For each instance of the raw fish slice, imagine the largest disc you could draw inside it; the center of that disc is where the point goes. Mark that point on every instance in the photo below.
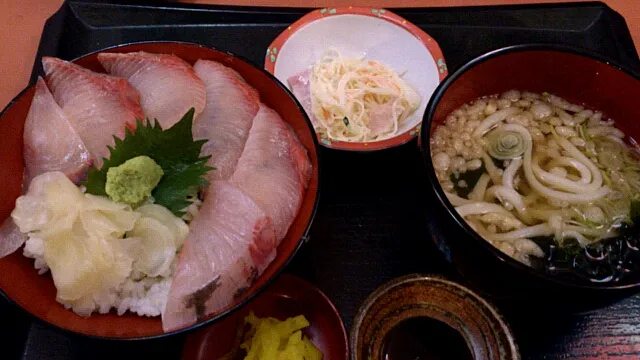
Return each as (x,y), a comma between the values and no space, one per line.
(50,142)
(230,243)
(167,84)
(301,88)
(274,169)
(98,106)
(225,122)
(11,238)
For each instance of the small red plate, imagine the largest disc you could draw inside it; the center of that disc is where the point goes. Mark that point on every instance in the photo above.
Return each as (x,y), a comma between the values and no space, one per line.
(289,296)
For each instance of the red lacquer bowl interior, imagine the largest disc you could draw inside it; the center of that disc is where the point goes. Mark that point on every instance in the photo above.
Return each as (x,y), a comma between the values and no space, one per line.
(289,296)
(569,73)
(20,282)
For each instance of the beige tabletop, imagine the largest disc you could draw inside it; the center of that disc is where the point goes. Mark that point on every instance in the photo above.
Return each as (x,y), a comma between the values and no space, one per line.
(21,23)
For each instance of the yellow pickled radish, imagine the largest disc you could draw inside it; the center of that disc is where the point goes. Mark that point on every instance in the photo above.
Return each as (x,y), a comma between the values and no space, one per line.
(272,339)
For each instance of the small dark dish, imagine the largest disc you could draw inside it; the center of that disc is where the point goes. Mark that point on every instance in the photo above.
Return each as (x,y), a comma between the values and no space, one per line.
(573,74)
(429,317)
(289,296)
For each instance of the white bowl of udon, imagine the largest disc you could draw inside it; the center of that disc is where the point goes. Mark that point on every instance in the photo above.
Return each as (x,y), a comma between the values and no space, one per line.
(364,76)
(531,152)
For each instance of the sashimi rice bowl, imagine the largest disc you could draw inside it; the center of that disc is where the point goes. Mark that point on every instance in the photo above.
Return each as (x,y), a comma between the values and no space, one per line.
(161,185)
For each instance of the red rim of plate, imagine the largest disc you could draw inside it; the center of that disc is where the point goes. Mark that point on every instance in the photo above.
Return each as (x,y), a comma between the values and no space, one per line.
(282,286)
(271,57)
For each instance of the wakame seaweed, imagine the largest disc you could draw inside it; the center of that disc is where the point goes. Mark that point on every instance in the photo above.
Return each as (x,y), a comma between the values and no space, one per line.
(634,210)
(607,261)
(498,163)
(470,178)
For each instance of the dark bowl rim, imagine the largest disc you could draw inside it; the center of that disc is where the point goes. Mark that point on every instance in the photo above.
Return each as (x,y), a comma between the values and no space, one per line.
(332,306)
(426,152)
(283,281)
(303,239)
(427,280)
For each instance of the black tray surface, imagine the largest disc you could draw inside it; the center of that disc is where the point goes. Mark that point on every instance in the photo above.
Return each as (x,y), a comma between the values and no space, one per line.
(362,235)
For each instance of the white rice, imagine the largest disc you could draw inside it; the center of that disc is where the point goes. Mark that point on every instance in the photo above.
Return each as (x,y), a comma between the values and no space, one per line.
(138,294)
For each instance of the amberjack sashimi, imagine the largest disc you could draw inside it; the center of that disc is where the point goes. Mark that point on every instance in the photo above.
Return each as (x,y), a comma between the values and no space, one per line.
(225,122)
(230,243)
(99,106)
(168,85)
(50,142)
(274,169)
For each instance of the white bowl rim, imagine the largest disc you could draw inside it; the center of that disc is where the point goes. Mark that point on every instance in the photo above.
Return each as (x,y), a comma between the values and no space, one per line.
(432,47)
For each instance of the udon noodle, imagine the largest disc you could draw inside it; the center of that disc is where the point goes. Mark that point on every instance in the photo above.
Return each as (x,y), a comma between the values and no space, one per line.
(532,172)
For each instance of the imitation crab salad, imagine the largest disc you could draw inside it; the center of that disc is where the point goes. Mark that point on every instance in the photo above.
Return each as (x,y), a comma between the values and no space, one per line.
(354,99)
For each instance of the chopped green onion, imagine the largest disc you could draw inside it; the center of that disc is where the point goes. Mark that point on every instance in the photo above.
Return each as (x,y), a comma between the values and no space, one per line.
(583,132)
(606,178)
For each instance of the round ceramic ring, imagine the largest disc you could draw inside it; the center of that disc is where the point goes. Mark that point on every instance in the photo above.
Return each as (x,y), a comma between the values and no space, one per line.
(486,334)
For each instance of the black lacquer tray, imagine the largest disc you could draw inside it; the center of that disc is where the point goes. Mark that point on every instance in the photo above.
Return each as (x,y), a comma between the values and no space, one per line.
(371,222)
